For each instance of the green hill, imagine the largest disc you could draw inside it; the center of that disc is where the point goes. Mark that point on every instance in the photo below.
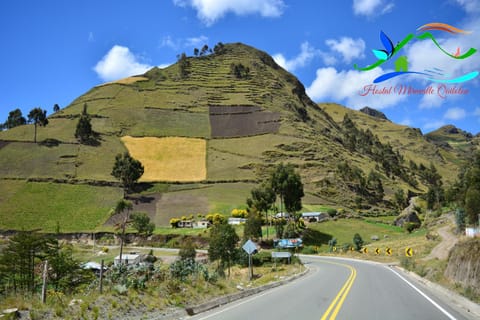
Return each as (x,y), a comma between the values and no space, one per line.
(454,139)
(241,111)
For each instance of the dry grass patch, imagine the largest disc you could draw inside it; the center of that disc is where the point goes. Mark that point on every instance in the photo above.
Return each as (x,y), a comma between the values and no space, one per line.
(169,159)
(128,80)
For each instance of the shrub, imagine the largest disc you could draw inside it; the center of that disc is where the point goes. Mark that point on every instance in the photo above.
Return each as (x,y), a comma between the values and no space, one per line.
(357,241)
(410,226)
(181,269)
(332,243)
(309,250)
(332,212)
(174,222)
(239,213)
(187,251)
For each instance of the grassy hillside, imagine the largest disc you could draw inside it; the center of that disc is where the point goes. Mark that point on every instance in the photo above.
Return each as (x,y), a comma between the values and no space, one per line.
(247,123)
(410,142)
(454,140)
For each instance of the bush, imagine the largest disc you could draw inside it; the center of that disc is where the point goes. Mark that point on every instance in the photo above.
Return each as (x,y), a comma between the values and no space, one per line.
(309,250)
(410,226)
(332,212)
(187,251)
(332,243)
(181,269)
(239,213)
(347,247)
(262,258)
(357,242)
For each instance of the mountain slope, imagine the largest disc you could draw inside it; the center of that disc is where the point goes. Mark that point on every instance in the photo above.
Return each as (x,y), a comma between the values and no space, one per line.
(222,120)
(454,139)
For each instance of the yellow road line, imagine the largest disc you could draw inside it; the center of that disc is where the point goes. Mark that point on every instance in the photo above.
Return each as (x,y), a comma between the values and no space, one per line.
(342,294)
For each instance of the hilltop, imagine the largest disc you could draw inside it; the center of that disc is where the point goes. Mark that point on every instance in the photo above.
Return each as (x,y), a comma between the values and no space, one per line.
(454,139)
(207,129)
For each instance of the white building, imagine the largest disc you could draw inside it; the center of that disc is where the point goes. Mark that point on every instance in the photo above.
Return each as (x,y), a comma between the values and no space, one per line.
(315,216)
(236,221)
(128,258)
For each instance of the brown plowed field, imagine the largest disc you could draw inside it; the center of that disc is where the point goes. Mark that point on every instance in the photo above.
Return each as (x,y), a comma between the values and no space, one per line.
(241,121)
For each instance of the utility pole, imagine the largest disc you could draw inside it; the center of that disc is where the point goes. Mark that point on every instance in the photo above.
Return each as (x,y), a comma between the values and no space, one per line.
(101,277)
(44,284)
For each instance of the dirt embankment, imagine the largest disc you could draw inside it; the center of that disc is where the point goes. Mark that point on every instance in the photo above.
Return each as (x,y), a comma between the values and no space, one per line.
(464,265)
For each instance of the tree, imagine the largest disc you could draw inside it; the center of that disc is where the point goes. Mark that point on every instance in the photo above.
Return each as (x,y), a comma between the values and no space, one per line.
(195,52)
(262,199)
(294,193)
(187,251)
(56,107)
(15,119)
(84,131)
(399,199)
(460,219)
(287,184)
(223,243)
(253,225)
(39,118)
(123,208)
(128,170)
(472,205)
(141,222)
(374,183)
(204,50)
(19,259)
(219,48)
(64,270)
(357,241)
(183,65)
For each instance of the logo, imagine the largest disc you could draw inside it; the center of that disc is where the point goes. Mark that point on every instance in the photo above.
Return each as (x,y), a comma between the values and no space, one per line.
(434,74)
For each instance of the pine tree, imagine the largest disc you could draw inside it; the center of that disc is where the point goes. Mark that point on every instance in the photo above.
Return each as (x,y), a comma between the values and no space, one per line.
(84,132)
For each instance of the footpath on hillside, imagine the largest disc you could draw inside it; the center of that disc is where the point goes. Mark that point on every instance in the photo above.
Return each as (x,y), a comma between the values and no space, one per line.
(442,250)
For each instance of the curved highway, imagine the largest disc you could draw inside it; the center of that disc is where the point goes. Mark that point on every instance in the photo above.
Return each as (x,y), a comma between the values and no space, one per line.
(342,289)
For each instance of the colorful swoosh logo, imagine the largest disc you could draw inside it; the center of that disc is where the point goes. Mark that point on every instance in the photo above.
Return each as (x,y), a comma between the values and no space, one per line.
(401,64)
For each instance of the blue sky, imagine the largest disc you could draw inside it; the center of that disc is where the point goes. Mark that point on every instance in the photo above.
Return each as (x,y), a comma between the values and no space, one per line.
(55,50)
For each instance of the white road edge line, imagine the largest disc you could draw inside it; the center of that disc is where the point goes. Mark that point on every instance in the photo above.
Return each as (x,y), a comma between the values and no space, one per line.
(445,312)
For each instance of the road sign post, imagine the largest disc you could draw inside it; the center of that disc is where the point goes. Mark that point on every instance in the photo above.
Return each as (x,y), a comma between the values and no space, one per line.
(250,247)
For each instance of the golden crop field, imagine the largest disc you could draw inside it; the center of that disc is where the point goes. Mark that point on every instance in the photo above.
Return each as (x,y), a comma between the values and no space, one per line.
(169,158)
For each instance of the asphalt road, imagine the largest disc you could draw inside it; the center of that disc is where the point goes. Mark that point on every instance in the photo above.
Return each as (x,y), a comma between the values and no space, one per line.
(342,289)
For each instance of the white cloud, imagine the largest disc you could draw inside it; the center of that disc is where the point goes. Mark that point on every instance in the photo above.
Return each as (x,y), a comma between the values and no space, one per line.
(167,41)
(119,63)
(196,41)
(470,5)
(371,7)
(455,114)
(178,44)
(431,100)
(349,48)
(433,124)
(209,11)
(348,87)
(406,122)
(91,37)
(477,112)
(307,53)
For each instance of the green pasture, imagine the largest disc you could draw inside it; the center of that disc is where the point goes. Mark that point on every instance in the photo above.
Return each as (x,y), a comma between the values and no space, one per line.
(76,208)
